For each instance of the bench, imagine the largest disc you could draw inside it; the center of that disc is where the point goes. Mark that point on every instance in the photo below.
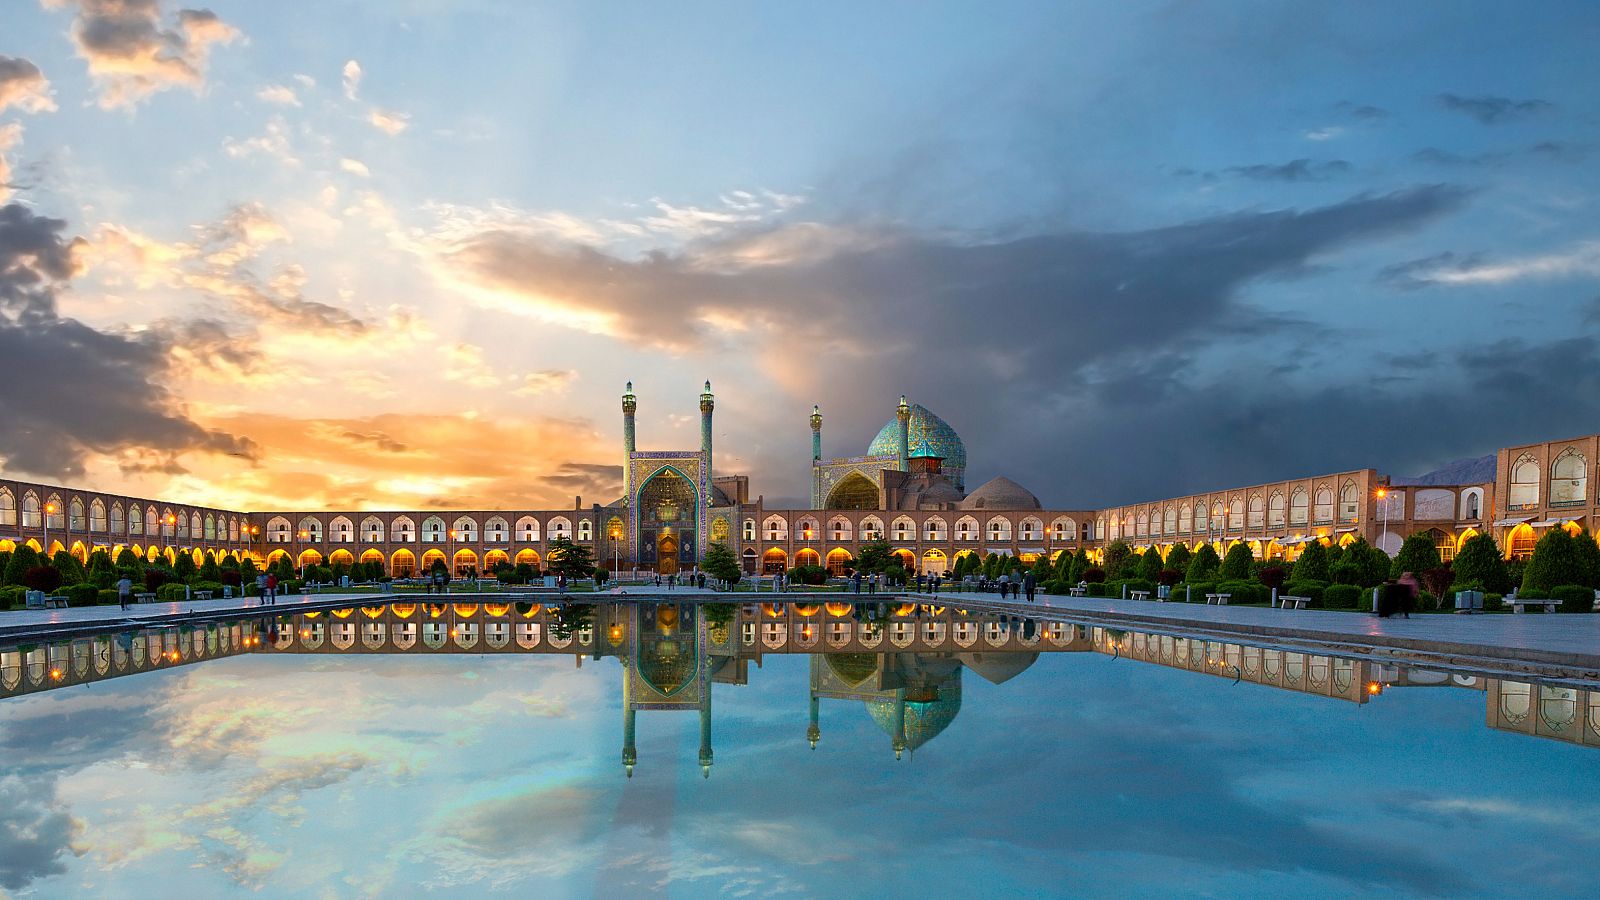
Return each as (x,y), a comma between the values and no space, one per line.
(1077,591)
(1140,595)
(144,598)
(1520,604)
(1289,601)
(202,595)
(1218,599)
(41,600)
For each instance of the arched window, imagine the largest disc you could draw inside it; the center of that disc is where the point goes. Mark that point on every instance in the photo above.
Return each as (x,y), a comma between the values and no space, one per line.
(934,529)
(1201,522)
(496,529)
(402,529)
(8,507)
(1569,479)
(1218,519)
(310,529)
(839,528)
(1258,512)
(278,530)
(79,521)
(1524,493)
(1169,521)
(433,531)
(1275,510)
(1063,529)
(210,527)
(750,529)
(1141,524)
(585,530)
(1472,505)
(97,515)
(1031,529)
(904,529)
(777,528)
(30,510)
(135,520)
(1235,514)
(560,527)
(527,529)
(372,530)
(1349,502)
(999,529)
(1299,507)
(719,530)
(119,522)
(1445,542)
(1323,512)
(195,528)
(966,529)
(466,528)
(1185,519)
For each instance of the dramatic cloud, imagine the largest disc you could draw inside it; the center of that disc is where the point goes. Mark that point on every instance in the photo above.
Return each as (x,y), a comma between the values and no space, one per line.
(23,86)
(1579,261)
(278,95)
(36,832)
(388,121)
(89,391)
(352,79)
(10,138)
(132,54)
(1492,110)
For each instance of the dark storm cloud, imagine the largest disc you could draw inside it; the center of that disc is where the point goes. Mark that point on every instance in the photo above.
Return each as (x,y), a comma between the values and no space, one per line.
(1294,170)
(1420,273)
(1492,110)
(86,390)
(23,85)
(597,481)
(36,831)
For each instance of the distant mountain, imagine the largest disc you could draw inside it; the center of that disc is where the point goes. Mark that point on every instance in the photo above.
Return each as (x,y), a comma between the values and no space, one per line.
(1463,471)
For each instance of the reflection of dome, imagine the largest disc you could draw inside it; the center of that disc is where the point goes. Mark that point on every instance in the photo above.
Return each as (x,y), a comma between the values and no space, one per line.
(998,668)
(853,668)
(667,666)
(933,697)
(929,437)
(1001,492)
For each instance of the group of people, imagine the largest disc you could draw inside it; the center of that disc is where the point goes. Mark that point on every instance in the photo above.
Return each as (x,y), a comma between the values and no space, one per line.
(857,579)
(1016,585)
(695,579)
(267,588)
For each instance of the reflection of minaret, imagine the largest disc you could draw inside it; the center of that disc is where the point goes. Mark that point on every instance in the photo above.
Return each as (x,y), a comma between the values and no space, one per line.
(630,753)
(814,730)
(705,732)
(899,734)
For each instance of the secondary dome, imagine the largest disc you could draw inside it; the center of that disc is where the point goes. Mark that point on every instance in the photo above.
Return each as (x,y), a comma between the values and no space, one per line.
(929,437)
(1001,492)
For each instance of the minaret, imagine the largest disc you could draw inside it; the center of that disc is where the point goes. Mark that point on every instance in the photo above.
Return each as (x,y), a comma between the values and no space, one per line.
(707,404)
(899,741)
(814,730)
(816,457)
(705,731)
(630,403)
(903,450)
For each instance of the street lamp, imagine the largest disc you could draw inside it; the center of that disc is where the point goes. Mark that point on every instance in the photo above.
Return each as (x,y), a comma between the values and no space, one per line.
(451,568)
(49,510)
(1384,513)
(616,550)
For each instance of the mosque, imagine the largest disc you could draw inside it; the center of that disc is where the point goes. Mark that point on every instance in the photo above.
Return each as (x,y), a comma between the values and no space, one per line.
(908,488)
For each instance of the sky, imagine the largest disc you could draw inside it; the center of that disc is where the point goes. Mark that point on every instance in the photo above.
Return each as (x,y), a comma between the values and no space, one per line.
(405,254)
(500,775)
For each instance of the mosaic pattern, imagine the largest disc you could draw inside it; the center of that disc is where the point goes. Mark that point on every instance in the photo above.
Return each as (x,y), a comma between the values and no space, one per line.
(930,436)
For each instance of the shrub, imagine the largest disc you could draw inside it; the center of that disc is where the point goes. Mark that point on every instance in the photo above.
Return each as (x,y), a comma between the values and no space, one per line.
(1114,588)
(1095,589)
(808,575)
(1094,575)
(85,594)
(1427,601)
(232,578)
(1312,589)
(1169,577)
(12,595)
(1244,592)
(107,595)
(215,587)
(1417,555)
(1341,596)
(154,579)
(1149,567)
(170,592)
(1345,572)
(1556,561)
(1313,563)
(1272,576)
(1574,598)
(1203,565)
(42,578)
(1054,586)
(1199,589)
(1493,602)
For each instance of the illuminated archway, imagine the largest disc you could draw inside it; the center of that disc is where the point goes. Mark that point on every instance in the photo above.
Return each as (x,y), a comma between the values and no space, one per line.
(341,557)
(402,564)
(839,559)
(774,561)
(465,563)
(528,557)
(934,562)
(1519,544)
(430,557)
(906,557)
(495,558)
(308,558)
(807,557)
(854,491)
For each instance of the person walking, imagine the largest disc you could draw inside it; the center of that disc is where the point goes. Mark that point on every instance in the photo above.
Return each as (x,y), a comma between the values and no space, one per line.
(855,583)
(272,589)
(124,590)
(1028,584)
(261,587)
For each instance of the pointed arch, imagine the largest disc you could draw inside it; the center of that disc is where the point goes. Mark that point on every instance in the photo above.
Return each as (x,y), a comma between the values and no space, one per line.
(402,564)
(372,530)
(1524,484)
(1569,478)
(854,491)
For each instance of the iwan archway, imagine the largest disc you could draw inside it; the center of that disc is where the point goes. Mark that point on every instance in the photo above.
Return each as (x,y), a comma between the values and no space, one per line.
(668,505)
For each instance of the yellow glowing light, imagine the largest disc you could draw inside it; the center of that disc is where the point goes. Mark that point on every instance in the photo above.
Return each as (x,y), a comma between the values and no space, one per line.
(1374,687)
(56,674)
(305,632)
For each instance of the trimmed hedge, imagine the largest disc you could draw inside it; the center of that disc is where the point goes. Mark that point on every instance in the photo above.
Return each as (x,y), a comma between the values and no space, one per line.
(1341,596)
(1574,598)
(1245,592)
(81,594)
(1308,588)
(107,595)
(13,595)
(1095,589)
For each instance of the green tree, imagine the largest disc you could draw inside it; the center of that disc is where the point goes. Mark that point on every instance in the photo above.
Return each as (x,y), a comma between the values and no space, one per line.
(721,564)
(1203,566)
(1313,564)
(101,572)
(569,559)
(1178,558)
(209,571)
(1371,564)
(183,567)
(22,559)
(1080,564)
(1236,564)
(1117,553)
(876,556)
(1150,565)
(248,570)
(72,571)
(1556,561)
(1417,555)
(1478,561)
(127,558)
(1588,559)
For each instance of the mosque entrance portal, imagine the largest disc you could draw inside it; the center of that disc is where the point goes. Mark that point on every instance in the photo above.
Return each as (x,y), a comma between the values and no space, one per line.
(667,554)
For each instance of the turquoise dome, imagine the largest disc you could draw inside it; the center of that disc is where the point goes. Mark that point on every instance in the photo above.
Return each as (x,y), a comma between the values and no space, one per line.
(930,436)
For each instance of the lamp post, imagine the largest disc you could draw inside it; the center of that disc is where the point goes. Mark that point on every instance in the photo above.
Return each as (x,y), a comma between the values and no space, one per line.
(1384,514)
(451,567)
(49,510)
(172,527)
(304,536)
(616,550)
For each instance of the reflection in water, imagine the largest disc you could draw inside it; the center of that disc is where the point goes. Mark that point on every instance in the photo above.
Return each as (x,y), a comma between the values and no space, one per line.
(903,661)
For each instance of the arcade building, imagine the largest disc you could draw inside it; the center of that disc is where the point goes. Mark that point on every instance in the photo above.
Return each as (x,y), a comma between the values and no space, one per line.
(908,488)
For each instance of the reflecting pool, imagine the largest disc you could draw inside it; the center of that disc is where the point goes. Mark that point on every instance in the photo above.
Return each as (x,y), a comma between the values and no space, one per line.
(817,749)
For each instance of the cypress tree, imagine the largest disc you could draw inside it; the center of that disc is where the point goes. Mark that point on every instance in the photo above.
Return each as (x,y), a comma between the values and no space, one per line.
(1150,565)
(1417,555)
(1236,564)
(1556,562)
(1478,561)
(1313,564)
(1204,565)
